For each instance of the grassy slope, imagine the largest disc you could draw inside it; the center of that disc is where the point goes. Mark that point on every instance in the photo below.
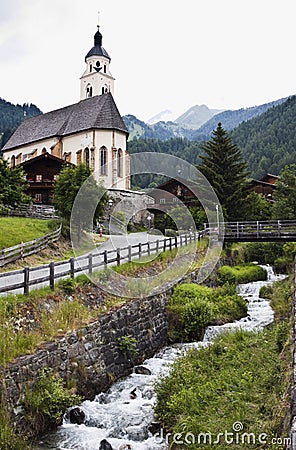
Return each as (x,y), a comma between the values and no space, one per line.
(14,230)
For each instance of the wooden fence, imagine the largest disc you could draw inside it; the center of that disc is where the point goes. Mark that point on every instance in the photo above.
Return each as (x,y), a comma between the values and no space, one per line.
(46,275)
(255,231)
(24,249)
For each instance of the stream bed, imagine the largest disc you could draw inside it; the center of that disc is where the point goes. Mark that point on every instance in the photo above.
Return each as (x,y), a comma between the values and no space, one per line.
(123,417)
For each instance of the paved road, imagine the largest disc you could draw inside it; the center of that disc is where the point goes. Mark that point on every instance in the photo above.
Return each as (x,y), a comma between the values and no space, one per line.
(81,264)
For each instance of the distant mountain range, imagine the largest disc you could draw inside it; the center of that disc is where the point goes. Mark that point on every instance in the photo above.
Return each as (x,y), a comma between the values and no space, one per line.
(195,124)
(267,140)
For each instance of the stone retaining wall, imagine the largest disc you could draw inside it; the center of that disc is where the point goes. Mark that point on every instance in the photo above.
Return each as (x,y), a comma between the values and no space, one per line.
(91,356)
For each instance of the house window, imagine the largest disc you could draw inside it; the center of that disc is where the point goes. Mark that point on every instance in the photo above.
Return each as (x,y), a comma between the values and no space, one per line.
(55,177)
(38,177)
(162,200)
(119,163)
(103,161)
(38,198)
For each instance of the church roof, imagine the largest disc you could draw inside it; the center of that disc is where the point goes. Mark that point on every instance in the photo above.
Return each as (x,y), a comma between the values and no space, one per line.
(99,112)
(97,50)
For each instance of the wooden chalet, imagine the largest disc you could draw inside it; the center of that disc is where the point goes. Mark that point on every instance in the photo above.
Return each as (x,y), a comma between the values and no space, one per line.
(265,186)
(41,174)
(170,193)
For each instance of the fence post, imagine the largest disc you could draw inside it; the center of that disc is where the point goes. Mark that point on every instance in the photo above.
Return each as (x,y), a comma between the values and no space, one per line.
(72,262)
(157,246)
(170,241)
(118,256)
(181,241)
(186,239)
(164,244)
(257,229)
(176,242)
(26,280)
(148,248)
(140,250)
(22,249)
(90,263)
(105,258)
(3,250)
(129,253)
(51,275)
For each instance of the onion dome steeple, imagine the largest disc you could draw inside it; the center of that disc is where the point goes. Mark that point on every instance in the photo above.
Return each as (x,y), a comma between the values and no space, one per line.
(97,49)
(98,37)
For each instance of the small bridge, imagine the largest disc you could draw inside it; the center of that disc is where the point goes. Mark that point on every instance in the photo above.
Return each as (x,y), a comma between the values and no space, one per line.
(258,231)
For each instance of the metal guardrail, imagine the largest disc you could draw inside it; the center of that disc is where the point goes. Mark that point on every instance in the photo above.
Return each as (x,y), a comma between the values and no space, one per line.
(24,249)
(252,231)
(25,278)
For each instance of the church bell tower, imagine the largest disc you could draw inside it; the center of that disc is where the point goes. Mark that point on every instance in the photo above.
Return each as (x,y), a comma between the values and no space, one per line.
(97,78)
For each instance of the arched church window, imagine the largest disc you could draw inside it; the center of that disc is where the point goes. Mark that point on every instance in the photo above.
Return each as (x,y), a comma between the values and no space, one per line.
(89,91)
(103,161)
(119,163)
(90,67)
(86,156)
(105,68)
(12,162)
(43,151)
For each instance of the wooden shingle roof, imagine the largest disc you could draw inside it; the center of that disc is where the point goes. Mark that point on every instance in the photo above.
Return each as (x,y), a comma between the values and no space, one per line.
(99,112)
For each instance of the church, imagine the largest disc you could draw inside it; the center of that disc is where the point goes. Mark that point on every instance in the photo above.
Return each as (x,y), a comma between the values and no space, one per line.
(91,131)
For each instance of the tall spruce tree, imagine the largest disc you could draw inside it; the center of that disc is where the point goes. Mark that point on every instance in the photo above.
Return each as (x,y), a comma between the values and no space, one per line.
(225,169)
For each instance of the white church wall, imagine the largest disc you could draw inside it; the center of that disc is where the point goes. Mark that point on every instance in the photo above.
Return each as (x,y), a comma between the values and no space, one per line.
(30,150)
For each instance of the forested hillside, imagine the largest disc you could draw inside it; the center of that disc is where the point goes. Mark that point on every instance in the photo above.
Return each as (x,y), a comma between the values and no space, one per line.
(12,115)
(232,118)
(268,142)
(182,148)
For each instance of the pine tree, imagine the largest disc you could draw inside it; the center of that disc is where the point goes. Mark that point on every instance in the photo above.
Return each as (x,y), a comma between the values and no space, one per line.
(226,171)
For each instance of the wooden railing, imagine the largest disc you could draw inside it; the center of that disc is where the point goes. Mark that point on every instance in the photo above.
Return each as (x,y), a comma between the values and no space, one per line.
(47,274)
(11,254)
(264,231)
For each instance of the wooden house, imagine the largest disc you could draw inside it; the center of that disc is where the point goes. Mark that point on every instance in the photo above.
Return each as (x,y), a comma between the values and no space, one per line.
(41,174)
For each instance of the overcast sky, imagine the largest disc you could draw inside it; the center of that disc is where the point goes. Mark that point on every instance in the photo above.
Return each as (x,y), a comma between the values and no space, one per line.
(165,54)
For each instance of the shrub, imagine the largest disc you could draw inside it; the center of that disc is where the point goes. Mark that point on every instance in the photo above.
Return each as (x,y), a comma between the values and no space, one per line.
(47,400)
(128,345)
(266,292)
(196,316)
(245,273)
(193,307)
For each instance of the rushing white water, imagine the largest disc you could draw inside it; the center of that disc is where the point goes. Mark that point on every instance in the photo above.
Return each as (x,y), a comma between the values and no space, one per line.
(123,416)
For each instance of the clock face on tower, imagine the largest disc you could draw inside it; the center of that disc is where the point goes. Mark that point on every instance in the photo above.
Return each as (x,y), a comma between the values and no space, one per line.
(98,66)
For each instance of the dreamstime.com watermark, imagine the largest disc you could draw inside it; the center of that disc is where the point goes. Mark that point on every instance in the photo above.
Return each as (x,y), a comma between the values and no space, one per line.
(237,436)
